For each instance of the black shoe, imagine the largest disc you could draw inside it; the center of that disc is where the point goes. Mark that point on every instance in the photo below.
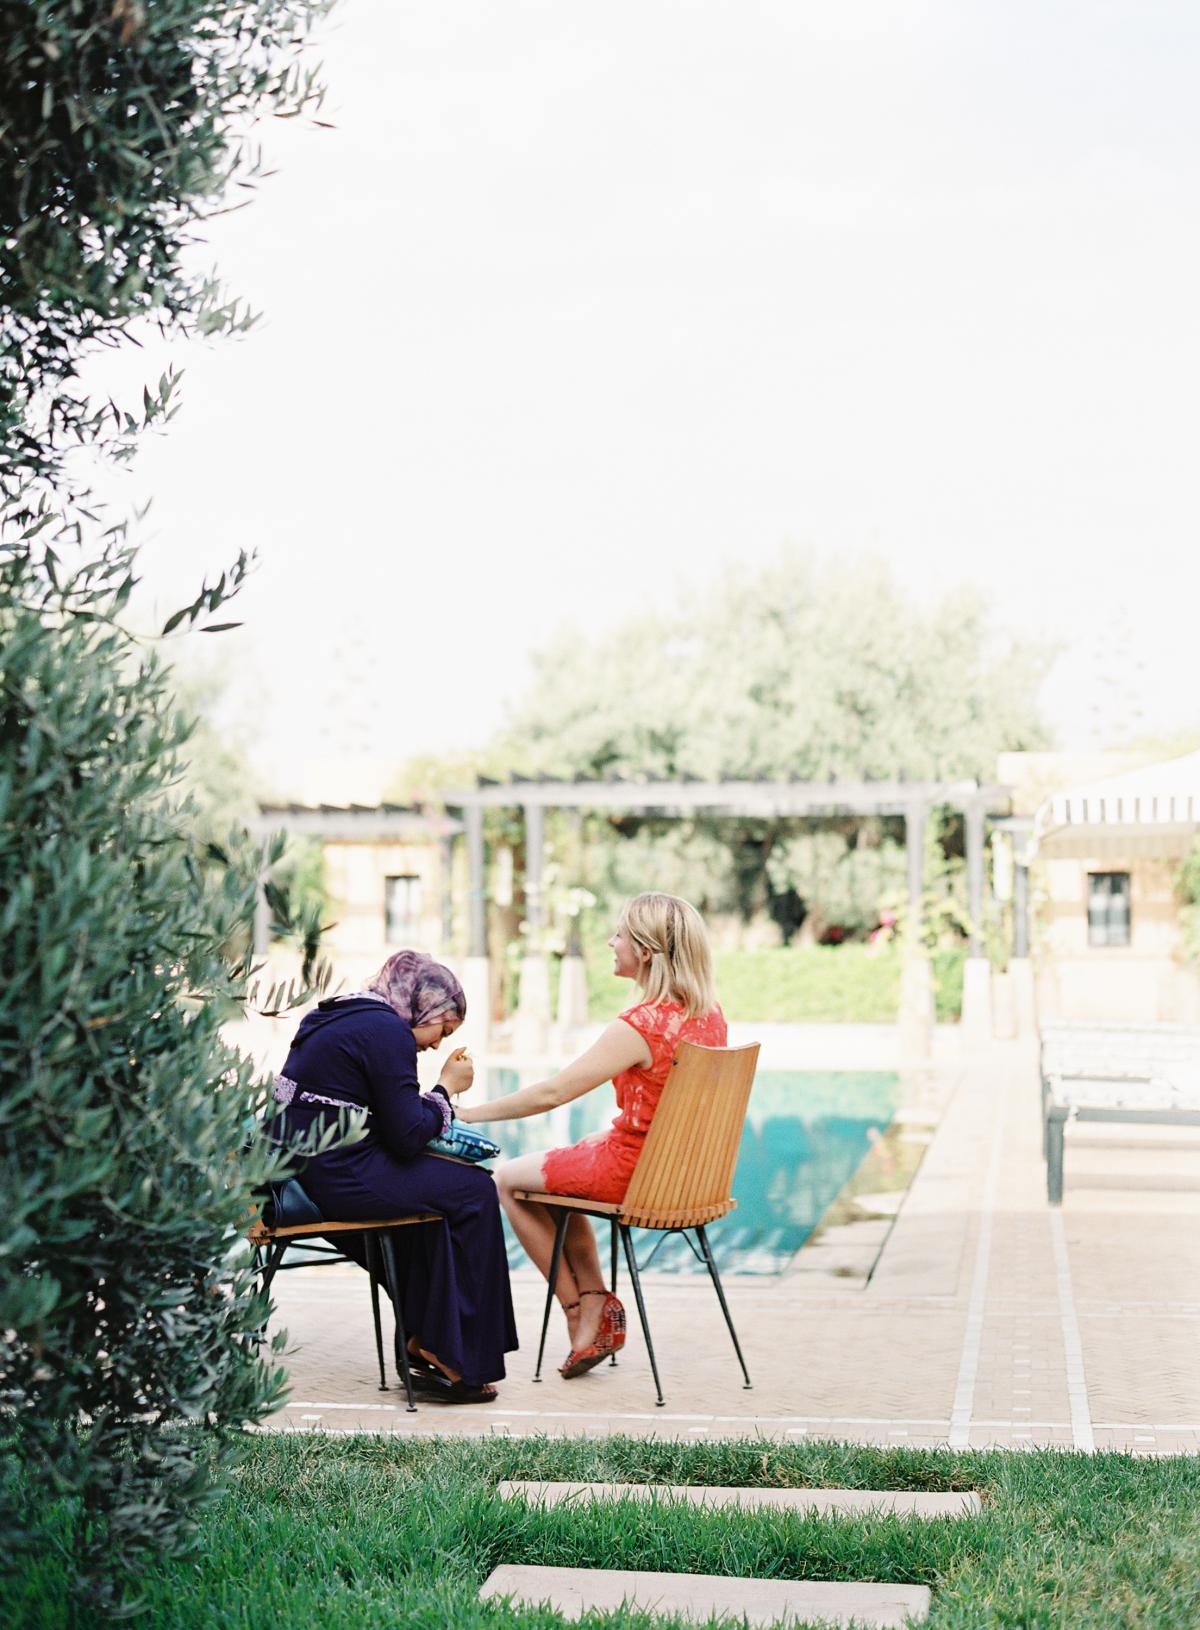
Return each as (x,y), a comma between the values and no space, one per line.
(437,1387)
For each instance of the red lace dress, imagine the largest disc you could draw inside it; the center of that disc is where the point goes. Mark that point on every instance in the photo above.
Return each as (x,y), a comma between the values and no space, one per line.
(599,1168)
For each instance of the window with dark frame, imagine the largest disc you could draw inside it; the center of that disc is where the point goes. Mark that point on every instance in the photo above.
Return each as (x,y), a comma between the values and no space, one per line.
(401,908)
(1108,908)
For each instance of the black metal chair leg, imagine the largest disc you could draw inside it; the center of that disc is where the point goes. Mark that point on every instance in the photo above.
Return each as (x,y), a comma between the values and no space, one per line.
(375,1274)
(560,1234)
(710,1263)
(274,1258)
(1055,1128)
(613,1228)
(631,1263)
(265,1265)
(391,1268)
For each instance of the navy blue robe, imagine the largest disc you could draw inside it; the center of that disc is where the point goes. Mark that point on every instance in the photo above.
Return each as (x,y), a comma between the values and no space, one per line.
(454,1277)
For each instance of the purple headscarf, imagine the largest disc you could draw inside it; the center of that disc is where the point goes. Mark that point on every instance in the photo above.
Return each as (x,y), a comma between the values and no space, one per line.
(418,988)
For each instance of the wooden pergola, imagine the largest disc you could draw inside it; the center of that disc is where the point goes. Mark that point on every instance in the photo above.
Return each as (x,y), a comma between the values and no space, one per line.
(910,800)
(463,815)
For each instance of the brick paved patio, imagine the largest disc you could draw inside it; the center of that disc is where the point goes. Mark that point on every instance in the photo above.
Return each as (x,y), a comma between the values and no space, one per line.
(989,1319)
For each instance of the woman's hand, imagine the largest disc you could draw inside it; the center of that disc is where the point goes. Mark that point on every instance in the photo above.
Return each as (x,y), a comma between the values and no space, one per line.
(457,1073)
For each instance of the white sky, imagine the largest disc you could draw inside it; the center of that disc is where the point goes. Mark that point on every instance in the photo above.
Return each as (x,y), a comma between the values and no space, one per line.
(578,304)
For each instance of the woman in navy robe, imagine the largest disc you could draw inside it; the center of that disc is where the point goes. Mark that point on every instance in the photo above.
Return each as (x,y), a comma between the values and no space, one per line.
(360,1052)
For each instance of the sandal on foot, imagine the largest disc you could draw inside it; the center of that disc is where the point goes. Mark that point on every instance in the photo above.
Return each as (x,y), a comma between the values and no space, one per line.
(609,1337)
(579,1363)
(453,1392)
(612,1320)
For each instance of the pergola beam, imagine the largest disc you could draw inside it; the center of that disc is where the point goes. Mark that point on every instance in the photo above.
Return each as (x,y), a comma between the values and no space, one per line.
(765,799)
(356,823)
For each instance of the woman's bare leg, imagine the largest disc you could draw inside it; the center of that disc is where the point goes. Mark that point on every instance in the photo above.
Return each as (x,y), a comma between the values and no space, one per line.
(534,1225)
(581,1252)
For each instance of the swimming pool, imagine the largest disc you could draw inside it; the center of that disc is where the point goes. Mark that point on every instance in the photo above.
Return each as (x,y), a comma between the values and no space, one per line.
(805,1135)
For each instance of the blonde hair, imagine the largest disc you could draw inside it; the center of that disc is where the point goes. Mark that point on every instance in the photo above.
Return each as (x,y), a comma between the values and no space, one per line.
(680,964)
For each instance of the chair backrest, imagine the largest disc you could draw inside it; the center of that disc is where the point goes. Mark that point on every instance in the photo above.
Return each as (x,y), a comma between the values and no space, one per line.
(691,1149)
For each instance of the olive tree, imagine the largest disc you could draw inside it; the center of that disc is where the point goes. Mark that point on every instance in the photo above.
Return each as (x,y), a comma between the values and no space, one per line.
(123,125)
(129,1320)
(128,1310)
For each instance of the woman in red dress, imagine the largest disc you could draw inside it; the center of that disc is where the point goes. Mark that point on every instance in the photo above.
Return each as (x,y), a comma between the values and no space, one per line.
(660,942)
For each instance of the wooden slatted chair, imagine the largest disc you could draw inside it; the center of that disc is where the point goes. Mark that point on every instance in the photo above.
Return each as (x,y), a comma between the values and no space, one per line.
(271,1244)
(683,1179)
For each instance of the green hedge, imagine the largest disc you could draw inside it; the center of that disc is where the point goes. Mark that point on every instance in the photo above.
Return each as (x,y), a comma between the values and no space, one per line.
(799,984)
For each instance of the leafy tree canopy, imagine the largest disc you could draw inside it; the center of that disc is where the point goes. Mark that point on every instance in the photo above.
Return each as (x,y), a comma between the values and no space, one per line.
(800,671)
(122,124)
(803,670)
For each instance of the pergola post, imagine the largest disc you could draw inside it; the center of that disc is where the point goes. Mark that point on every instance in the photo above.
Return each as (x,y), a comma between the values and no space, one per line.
(261,928)
(535,858)
(533,1007)
(572,1012)
(477,945)
(974,816)
(262,914)
(1020,965)
(915,818)
(446,858)
(977,972)
(916,979)
(1020,945)
(477,980)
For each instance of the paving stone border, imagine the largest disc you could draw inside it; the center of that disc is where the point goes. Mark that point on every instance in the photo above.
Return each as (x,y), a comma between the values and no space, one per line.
(804,1501)
(700,1596)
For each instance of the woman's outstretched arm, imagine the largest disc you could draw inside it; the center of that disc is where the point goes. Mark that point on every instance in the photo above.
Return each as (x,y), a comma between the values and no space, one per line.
(618,1048)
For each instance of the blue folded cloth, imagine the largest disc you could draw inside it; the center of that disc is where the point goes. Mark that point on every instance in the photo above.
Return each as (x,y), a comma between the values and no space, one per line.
(462,1141)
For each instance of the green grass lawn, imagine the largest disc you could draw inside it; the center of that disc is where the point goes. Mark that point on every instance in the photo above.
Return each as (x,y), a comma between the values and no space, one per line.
(798,984)
(371,1533)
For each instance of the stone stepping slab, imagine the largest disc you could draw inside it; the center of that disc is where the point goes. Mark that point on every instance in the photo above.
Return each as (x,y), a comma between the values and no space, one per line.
(806,1502)
(701,1596)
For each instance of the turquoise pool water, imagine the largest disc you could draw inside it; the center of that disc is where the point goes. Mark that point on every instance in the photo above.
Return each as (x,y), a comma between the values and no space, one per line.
(805,1135)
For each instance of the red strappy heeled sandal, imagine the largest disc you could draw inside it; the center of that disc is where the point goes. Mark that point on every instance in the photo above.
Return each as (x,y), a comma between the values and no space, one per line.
(612,1320)
(610,1338)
